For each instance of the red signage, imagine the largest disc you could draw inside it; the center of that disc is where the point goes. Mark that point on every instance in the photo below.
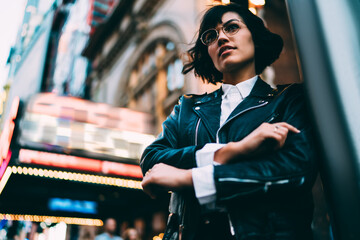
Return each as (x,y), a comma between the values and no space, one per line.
(79,163)
(6,136)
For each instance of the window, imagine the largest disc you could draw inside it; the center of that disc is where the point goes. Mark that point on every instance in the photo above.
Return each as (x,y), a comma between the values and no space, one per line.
(156,80)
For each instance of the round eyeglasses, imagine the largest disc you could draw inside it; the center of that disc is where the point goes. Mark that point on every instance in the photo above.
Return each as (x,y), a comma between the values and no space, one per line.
(211,35)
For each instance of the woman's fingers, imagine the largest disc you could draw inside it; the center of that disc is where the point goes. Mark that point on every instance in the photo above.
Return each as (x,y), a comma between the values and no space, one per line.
(146,185)
(276,131)
(267,137)
(163,177)
(287,126)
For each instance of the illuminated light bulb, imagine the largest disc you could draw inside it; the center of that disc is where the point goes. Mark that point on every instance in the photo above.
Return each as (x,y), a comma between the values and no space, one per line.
(92,178)
(14,169)
(131,184)
(73,176)
(225,1)
(36,172)
(81,177)
(117,182)
(258,2)
(31,171)
(112,182)
(98,180)
(69,176)
(48,221)
(41,172)
(20,171)
(253,10)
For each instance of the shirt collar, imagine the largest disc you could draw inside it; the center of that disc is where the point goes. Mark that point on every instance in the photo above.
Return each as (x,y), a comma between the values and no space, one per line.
(244,87)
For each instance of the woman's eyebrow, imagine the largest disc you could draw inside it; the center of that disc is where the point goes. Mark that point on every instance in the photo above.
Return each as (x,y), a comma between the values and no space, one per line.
(231,20)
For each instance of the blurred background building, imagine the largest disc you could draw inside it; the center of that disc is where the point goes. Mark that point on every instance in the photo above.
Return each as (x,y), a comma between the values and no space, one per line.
(89,85)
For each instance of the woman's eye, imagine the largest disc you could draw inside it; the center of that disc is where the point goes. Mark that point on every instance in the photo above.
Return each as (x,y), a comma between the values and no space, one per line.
(210,36)
(232,28)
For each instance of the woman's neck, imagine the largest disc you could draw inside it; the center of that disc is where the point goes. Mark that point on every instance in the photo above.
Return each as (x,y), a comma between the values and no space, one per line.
(235,77)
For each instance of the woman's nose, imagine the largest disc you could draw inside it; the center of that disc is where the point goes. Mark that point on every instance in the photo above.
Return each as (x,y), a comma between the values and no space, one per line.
(222,38)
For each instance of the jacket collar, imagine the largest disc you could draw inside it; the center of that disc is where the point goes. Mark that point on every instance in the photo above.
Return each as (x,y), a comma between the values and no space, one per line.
(259,95)
(208,106)
(262,90)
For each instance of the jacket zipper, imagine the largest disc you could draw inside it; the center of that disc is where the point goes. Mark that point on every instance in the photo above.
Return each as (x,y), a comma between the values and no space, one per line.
(272,118)
(266,184)
(245,110)
(196,131)
(182,225)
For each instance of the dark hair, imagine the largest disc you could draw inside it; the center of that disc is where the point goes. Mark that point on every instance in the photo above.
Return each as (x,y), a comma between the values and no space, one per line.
(268,45)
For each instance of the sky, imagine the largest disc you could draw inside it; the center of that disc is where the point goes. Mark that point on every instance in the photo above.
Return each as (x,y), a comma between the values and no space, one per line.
(11,14)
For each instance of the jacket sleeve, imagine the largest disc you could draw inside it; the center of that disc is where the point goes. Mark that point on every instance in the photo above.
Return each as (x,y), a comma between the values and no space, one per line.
(292,166)
(165,149)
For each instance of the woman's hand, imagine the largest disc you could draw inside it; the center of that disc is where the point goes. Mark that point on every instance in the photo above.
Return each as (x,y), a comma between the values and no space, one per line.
(264,138)
(163,177)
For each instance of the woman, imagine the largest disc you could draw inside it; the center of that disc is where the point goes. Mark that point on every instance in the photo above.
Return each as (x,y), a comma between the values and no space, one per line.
(241,152)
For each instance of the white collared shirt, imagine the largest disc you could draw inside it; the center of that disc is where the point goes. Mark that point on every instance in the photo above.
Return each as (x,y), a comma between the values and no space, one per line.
(203,175)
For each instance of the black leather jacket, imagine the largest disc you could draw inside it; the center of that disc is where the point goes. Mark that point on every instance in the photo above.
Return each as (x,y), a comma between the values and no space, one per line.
(267,196)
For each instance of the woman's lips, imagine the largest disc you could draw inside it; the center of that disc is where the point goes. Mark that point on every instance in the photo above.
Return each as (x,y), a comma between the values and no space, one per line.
(225,49)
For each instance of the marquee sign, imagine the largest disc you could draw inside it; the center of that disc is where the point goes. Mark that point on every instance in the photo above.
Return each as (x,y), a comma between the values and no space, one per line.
(82,128)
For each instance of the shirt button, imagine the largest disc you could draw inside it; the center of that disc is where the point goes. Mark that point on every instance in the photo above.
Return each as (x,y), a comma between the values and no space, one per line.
(197,108)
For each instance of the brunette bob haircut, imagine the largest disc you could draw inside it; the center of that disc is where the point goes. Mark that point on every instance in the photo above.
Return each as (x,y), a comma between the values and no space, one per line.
(268,45)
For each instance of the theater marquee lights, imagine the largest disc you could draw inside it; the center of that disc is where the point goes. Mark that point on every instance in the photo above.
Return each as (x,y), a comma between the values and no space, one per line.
(76,177)
(52,219)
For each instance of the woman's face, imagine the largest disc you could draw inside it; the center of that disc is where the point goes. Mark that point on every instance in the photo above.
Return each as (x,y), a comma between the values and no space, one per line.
(232,52)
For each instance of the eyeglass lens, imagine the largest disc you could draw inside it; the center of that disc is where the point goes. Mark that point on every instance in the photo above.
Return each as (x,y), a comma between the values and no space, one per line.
(211,35)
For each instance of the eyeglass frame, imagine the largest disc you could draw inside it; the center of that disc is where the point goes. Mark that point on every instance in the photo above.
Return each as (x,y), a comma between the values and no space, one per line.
(217,31)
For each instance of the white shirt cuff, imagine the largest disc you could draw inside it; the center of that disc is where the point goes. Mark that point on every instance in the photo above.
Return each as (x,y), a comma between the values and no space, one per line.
(204,184)
(205,156)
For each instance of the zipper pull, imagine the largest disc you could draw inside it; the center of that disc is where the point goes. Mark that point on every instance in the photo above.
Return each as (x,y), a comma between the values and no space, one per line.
(266,187)
(181,229)
(273,118)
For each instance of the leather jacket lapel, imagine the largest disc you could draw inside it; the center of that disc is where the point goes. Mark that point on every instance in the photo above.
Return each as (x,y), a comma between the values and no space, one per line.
(209,109)
(259,96)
